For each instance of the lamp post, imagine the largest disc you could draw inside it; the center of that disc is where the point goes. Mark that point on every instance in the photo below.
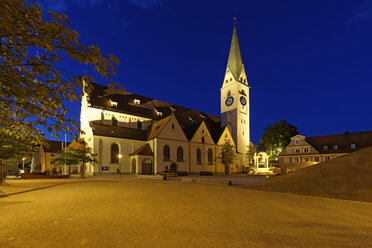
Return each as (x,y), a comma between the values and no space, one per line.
(120,156)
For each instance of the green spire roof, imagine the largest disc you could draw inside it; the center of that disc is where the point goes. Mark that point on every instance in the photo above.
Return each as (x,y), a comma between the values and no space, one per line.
(235,58)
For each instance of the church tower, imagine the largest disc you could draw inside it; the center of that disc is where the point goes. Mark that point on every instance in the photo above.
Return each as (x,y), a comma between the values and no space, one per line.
(235,97)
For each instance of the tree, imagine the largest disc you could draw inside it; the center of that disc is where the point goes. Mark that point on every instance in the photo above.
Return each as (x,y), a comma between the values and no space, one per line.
(276,138)
(250,154)
(80,155)
(228,156)
(33,86)
(12,148)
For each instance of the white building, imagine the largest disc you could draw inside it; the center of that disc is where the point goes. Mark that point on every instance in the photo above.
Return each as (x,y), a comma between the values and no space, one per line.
(140,135)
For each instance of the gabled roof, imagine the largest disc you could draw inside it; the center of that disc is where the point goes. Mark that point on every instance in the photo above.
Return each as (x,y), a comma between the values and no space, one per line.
(157,127)
(117,131)
(190,131)
(101,97)
(143,150)
(53,146)
(343,141)
(234,62)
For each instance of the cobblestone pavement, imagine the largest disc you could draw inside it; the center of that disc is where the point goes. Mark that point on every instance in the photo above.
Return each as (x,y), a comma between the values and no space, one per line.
(131,212)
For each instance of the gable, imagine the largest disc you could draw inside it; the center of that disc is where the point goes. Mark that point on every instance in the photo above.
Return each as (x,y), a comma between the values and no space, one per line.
(172,130)
(202,132)
(298,140)
(157,127)
(229,78)
(226,136)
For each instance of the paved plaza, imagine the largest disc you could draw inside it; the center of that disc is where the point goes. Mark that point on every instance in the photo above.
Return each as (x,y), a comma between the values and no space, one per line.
(131,212)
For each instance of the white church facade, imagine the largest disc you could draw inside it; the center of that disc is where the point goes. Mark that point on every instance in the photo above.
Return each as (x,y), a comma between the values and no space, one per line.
(135,134)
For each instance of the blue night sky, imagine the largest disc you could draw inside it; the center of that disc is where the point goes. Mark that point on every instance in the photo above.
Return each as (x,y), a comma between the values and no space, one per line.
(308,62)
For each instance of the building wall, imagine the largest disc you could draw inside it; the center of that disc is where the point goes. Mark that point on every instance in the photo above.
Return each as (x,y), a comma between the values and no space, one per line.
(300,154)
(173,145)
(102,146)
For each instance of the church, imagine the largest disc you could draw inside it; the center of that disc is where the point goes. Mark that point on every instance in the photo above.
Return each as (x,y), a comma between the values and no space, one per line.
(134,134)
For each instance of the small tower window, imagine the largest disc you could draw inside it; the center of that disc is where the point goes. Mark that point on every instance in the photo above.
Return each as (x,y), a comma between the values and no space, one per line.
(203,140)
(229,93)
(172,126)
(230,79)
(136,101)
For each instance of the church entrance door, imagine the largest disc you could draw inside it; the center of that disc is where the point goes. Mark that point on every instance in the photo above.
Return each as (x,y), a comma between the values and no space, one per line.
(147,167)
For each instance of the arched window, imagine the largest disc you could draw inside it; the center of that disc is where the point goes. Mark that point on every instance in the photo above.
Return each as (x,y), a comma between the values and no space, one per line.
(210,156)
(202,139)
(198,156)
(114,121)
(114,153)
(229,93)
(179,154)
(166,153)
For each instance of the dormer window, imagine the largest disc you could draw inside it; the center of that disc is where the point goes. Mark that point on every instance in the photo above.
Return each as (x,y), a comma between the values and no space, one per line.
(136,101)
(353,146)
(159,114)
(325,148)
(297,142)
(113,104)
(335,147)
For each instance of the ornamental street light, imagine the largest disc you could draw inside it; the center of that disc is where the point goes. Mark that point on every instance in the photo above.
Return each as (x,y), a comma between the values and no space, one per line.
(119,169)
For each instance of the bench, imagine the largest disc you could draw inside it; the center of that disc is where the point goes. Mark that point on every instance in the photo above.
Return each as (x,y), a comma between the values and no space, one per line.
(182,173)
(152,177)
(206,173)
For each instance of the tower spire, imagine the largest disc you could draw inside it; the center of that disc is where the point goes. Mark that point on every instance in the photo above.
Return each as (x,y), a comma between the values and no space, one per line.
(234,62)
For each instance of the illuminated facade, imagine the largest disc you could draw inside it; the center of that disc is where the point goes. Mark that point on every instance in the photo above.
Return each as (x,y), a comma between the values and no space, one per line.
(306,151)
(139,135)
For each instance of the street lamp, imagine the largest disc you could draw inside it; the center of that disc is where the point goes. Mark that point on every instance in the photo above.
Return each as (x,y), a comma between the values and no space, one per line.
(119,171)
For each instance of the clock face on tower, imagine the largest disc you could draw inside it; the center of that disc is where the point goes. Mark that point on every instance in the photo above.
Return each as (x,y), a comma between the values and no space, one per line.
(243,101)
(229,101)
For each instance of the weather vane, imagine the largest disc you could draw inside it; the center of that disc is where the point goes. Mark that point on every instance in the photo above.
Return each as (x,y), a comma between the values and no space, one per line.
(235,16)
